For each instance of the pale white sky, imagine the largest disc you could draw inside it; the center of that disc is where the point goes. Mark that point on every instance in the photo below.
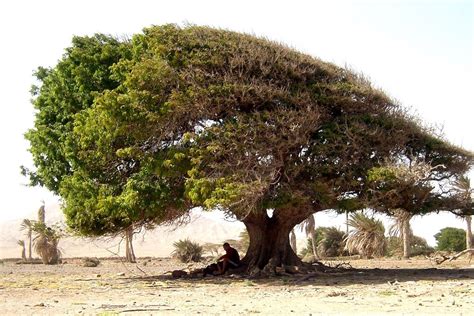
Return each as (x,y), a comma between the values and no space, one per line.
(419,52)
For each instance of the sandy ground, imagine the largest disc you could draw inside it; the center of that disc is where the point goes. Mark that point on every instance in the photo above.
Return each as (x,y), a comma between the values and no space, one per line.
(375,287)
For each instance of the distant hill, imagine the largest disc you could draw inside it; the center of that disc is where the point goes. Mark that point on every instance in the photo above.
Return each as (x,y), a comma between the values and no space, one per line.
(204,227)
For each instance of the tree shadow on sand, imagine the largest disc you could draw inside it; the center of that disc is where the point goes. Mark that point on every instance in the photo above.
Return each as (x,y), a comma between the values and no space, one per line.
(371,276)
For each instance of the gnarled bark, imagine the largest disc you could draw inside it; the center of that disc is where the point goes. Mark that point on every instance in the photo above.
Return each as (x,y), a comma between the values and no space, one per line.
(269,240)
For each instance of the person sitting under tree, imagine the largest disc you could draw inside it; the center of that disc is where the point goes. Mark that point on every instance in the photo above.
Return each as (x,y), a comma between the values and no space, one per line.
(231,259)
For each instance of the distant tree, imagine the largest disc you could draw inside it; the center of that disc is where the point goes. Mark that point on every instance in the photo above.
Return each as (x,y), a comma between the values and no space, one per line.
(331,243)
(402,228)
(21,243)
(27,225)
(313,242)
(309,226)
(418,246)
(469,237)
(138,132)
(464,191)
(406,186)
(366,236)
(46,239)
(212,248)
(46,242)
(41,214)
(451,239)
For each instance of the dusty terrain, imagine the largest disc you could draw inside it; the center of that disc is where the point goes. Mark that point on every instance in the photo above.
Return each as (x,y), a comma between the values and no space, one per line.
(374,287)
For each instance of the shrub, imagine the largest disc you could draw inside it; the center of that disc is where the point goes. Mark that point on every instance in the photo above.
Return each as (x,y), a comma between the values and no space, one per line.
(418,245)
(187,251)
(318,236)
(367,236)
(332,243)
(329,242)
(46,242)
(451,239)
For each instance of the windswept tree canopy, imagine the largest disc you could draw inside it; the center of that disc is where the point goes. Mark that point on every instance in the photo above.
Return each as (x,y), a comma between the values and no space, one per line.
(141,130)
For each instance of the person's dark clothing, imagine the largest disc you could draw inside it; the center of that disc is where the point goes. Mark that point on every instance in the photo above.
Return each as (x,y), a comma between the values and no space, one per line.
(233,256)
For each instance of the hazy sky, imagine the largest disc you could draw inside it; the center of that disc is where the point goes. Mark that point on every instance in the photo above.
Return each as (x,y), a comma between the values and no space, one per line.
(419,52)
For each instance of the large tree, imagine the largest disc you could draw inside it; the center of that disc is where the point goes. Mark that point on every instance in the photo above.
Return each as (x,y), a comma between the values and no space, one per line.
(182,117)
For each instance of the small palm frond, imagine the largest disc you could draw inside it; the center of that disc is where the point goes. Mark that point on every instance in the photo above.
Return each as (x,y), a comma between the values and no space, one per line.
(27,224)
(401,218)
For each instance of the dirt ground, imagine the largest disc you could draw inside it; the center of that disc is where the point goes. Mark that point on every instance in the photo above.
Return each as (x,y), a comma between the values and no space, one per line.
(375,287)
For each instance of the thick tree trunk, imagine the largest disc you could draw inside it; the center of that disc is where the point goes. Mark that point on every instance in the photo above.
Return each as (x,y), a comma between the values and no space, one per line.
(269,241)
(406,234)
(469,239)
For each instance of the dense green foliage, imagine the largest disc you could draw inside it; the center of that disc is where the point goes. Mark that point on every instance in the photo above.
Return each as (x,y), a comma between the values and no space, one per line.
(139,131)
(451,239)
(83,73)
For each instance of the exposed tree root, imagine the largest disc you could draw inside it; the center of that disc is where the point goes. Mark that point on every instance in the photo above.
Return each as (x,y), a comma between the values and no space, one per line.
(307,269)
(320,269)
(442,258)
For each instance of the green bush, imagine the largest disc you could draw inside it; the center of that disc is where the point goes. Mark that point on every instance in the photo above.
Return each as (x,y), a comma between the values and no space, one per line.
(187,251)
(329,242)
(451,239)
(419,246)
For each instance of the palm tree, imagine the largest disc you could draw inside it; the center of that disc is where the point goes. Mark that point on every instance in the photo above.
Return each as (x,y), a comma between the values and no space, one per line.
(464,190)
(402,228)
(21,243)
(41,213)
(27,225)
(46,239)
(469,238)
(309,226)
(332,242)
(46,243)
(367,236)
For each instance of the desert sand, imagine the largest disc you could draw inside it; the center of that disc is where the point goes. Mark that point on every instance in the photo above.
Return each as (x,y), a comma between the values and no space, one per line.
(374,287)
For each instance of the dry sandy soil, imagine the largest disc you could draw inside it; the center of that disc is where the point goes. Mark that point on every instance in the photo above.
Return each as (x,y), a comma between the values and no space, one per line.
(374,287)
